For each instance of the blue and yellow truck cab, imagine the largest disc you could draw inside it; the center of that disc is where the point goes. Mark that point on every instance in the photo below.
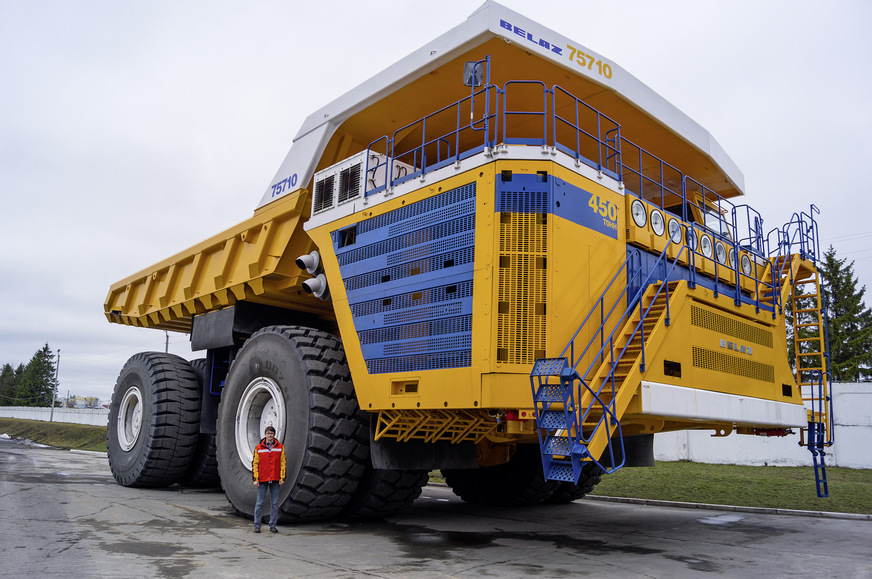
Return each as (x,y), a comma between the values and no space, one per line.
(503,257)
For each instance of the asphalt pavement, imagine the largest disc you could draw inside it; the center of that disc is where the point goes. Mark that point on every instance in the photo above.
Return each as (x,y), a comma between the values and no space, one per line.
(64,515)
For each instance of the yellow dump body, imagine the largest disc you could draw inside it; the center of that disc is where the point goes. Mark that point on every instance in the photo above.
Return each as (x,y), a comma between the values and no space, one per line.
(252,261)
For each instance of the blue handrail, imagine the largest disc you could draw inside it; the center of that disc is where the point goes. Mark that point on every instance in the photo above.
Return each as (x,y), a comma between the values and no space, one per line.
(540,140)
(609,415)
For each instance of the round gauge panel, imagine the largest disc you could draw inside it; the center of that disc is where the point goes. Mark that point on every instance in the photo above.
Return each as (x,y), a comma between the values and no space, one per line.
(705,243)
(721,252)
(637,210)
(658,224)
(674,231)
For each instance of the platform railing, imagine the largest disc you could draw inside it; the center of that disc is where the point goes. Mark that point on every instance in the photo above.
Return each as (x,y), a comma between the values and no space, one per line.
(603,134)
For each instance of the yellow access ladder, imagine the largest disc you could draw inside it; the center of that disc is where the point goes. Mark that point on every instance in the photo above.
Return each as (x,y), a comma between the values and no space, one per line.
(797,282)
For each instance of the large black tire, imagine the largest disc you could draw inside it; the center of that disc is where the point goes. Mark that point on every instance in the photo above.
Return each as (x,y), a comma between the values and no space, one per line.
(153,420)
(296,379)
(516,483)
(567,492)
(203,470)
(385,492)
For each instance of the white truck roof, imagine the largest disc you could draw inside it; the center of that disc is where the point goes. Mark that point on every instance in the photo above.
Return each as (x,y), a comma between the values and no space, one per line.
(489,21)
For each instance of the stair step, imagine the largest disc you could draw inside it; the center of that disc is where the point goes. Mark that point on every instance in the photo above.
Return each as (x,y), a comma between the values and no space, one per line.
(548,366)
(551,393)
(552,419)
(558,445)
(560,470)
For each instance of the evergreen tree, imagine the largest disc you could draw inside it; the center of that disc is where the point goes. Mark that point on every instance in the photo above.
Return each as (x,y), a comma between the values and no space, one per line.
(36,385)
(8,382)
(849,321)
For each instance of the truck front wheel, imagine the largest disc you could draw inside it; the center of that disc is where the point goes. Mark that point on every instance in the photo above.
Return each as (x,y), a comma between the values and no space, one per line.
(297,380)
(153,420)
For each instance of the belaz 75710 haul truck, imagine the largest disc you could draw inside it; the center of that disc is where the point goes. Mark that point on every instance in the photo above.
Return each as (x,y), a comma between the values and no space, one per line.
(502,257)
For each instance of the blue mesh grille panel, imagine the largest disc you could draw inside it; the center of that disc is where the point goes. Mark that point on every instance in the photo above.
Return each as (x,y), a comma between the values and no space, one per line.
(422,213)
(446,235)
(404,302)
(422,362)
(408,278)
(400,272)
(431,328)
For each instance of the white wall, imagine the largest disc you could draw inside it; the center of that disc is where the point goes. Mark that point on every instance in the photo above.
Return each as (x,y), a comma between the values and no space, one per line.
(94,417)
(852,411)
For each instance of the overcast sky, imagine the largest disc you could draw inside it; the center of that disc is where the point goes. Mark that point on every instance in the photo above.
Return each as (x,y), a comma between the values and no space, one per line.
(130,131)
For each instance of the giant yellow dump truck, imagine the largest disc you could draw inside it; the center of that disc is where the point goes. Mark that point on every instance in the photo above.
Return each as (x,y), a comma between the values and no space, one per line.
(502,257)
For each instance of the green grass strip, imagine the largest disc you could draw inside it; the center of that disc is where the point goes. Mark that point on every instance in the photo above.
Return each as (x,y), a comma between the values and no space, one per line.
(59,434)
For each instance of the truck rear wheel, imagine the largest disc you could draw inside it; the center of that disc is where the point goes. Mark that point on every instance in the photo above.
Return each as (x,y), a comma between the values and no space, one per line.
(297,380)
(203,470)
(385,492)
(516,483)
(153,420)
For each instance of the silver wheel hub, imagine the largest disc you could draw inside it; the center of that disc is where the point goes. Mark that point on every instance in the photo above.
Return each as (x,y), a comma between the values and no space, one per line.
(261,405)
(130,418)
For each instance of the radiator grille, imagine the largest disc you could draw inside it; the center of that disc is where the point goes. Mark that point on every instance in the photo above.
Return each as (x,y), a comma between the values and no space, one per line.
(719,323)
(323,195)
(521,326)
(349,183)
(720,362)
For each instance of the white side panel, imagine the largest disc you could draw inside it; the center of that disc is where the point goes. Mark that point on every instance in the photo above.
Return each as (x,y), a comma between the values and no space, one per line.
(704,406)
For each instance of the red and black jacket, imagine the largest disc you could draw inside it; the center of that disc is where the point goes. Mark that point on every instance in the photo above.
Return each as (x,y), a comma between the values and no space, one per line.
(269,462)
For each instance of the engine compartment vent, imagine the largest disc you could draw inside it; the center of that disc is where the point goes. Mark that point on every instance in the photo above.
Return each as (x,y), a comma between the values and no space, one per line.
(344,182)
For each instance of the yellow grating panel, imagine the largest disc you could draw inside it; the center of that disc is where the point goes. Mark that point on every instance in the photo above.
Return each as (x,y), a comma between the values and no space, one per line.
(719,362)
(434,425)
(729,326)
(522,288)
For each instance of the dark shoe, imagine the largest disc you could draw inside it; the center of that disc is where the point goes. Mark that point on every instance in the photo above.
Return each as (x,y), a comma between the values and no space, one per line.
(273,530)
(257,529)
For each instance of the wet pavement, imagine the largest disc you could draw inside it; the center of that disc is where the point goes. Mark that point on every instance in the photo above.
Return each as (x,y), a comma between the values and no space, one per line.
(61,513)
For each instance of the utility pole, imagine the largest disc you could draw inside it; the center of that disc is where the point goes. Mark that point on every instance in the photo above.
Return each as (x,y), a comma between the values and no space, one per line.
(54,390)
(167,347)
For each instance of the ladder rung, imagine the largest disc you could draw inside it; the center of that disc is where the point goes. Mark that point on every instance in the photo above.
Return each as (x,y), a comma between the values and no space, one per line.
(806,325)
(808,310)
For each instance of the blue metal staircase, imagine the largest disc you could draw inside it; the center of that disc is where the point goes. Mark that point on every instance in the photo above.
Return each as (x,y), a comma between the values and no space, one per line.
(578,415)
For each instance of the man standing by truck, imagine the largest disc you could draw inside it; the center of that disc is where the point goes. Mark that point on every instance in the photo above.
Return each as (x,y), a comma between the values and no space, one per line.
(268,470)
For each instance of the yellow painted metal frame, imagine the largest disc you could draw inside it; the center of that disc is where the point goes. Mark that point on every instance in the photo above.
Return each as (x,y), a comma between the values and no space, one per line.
(251,261)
